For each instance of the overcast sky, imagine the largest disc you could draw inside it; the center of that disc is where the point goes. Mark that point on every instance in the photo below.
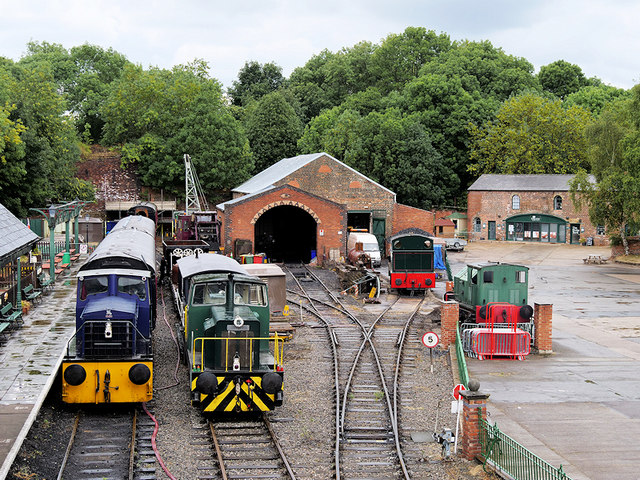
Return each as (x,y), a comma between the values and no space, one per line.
(601,36)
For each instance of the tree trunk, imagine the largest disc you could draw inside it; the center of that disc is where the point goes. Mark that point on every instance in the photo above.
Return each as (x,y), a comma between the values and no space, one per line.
(623,235)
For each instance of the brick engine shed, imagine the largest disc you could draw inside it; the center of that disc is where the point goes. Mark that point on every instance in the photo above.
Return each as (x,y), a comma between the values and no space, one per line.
(302,208)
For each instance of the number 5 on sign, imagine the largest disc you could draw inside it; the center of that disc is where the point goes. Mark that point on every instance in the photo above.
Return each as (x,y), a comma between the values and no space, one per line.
(430,339)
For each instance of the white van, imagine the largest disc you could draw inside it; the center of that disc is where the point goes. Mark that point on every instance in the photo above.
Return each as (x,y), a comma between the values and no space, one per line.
(369,245)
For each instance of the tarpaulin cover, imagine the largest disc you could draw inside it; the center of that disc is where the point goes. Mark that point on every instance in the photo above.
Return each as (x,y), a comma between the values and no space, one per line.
(438,260)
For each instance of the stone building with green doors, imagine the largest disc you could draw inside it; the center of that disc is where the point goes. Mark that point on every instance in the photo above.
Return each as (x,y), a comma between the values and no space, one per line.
(529,208)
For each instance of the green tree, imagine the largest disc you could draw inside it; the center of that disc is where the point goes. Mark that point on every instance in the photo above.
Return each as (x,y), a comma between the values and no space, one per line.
(613,194)
(387,147)
(562,78)
(41,150)
(273,129)
(159,115)
(401,56)
(531,134)
(328,79)
(255,81)
(595,97)
(83,75)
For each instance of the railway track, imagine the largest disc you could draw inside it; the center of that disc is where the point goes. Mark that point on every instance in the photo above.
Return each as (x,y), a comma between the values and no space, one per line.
(367,359)
(109,445)
(242,449)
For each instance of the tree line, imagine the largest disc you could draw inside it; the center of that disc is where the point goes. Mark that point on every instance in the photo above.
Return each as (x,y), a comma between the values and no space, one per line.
(418,113)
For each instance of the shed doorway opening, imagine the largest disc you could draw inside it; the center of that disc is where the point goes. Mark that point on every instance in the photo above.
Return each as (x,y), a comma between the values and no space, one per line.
(286,234)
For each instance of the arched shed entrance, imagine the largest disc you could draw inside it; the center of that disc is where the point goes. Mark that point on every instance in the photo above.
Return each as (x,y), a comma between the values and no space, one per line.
(286,233)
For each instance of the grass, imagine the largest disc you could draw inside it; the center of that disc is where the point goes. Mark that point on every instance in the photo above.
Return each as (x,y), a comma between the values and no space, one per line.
(633,259)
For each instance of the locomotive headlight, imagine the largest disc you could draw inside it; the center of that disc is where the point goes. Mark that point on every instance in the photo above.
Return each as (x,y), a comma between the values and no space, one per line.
(238,321)
(108,332)
(236,362)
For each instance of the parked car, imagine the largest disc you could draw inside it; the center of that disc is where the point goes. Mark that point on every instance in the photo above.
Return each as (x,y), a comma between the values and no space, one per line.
(455,244)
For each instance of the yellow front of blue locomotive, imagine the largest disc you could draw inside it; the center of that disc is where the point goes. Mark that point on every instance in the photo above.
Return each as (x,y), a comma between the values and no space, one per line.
(107,382)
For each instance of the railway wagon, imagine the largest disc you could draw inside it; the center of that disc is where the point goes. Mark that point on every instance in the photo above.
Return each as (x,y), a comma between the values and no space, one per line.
(109,359)
(234,365)
(145,209)
(411,266)
(493,292)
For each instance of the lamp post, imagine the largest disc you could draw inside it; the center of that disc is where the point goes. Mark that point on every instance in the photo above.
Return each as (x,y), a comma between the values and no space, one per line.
(86,239)
(52,237)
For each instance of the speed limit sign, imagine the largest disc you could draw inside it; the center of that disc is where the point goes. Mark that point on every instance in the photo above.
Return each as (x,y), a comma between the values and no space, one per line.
(430,339)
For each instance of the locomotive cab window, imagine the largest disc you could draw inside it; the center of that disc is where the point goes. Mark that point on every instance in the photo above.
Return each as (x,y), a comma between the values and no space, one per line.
(133,286)
(487,277)
(93,286)
(250,294)
(210,293)
(521,276)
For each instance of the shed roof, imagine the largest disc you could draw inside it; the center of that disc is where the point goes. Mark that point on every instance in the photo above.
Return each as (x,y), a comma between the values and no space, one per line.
(529,183)
(285,167)
(444,222)
(16,238)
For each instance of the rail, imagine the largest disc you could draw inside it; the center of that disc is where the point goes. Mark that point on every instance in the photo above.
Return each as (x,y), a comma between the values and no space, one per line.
(278,349)
(507,456)
(462,362)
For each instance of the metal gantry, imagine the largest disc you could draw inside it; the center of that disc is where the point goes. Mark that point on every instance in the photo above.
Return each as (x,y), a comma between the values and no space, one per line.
(193,189)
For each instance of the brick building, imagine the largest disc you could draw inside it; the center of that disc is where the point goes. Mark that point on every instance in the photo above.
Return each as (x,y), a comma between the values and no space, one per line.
(534,208)
(304,206)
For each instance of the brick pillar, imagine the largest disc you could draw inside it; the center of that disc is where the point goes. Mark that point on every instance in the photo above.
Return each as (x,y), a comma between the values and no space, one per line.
(448,322)
(542,313)
(470,431)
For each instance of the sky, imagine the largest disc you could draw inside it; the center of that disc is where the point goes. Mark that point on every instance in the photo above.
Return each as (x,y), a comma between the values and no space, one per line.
(600,36)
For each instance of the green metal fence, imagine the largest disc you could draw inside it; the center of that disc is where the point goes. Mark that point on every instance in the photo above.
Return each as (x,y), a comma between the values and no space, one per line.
(507,456)
(462,363)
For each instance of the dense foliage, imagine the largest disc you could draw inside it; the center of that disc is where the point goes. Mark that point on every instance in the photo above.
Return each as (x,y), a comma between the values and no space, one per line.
(531,134)
(613,193)
(38,143)
(159,115)
(418,113)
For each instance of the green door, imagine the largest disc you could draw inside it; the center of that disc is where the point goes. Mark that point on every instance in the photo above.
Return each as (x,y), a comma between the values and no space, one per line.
(378,228)
(492,230)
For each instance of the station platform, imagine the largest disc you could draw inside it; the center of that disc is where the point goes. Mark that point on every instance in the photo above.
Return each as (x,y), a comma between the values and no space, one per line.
(29,360)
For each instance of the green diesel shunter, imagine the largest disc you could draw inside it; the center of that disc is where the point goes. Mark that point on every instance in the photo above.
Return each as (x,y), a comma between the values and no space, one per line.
(490,283)
(234,364)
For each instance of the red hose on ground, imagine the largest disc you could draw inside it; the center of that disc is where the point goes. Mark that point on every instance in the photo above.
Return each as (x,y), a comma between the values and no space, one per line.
(164,316)
(153,442)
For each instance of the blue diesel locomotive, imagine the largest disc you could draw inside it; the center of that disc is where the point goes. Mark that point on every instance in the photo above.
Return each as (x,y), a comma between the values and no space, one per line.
(109,359)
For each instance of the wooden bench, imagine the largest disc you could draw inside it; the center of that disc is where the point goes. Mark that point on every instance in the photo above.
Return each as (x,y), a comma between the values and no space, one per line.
(45,282)
(31,293)
(595,259)
(4,326)
(10,315)
(75,257)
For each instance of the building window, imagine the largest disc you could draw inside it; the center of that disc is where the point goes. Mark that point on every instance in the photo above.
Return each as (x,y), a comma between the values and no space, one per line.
(515,202)
(477,225)
(600,230)
(557,202)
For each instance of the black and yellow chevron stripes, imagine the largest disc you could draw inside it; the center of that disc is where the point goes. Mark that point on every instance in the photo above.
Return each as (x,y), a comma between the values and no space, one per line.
(251,397)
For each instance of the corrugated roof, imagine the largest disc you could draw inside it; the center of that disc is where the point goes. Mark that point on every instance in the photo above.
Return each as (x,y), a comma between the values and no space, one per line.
(530,183)
(285,167)
(15,236)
